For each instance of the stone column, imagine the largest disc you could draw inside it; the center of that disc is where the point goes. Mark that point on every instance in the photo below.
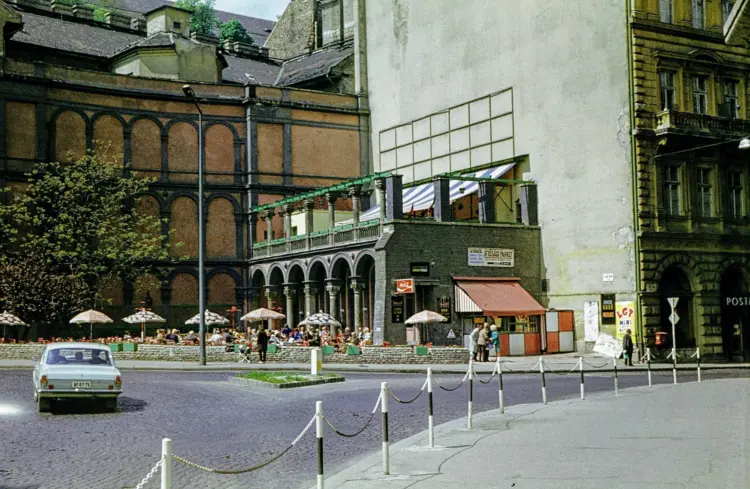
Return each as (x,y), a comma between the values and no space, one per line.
(286,212)
(380,192)
(442,189)
(333,289)
(331,199)
(708,332)
(487,202)
(268,217)
(289,290)
(272,294)
(355,193)
(309,206)
(310,291)
(357,285)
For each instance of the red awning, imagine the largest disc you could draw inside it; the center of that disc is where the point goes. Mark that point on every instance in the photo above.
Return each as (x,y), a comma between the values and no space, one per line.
(495,297)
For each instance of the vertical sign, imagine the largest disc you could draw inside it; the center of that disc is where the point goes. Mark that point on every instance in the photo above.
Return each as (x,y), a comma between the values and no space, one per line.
(444,306)
(590,320)
(397,309)
(673,318)
(608,309)
(625,312)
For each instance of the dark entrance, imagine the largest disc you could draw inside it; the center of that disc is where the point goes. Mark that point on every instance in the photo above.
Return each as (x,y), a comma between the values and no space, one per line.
(674,283)
(735,316)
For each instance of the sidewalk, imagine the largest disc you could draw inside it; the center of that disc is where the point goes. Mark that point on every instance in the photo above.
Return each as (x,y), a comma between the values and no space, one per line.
(556,362)
(692,435)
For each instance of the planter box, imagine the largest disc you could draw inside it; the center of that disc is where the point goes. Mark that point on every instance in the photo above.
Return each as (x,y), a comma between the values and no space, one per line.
(353,350)
(328,350)
(115,347)
(130,347)
(421,350)
(272,349)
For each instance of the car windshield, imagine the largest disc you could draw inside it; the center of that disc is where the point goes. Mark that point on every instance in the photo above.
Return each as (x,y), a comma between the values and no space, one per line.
(78,356)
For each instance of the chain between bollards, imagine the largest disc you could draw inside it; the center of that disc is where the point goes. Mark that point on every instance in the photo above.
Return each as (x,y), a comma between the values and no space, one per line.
(319,435)
(544,382)
(617,379)
(471,392)
(500,385)
(430,422)
(583,389)
(384,411)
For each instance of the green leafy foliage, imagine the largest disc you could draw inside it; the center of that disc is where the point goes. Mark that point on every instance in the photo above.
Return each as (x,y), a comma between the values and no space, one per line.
(234,31)
(72,231)
(100,14)
(203,19)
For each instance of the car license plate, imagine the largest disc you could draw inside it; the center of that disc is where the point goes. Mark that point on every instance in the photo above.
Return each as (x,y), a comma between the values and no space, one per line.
(81,385)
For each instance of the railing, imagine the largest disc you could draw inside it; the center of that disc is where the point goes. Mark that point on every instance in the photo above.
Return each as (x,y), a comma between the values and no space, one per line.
(278,249)
(298,244)
(371,231)
(318,241)
(686,121)
(344,236)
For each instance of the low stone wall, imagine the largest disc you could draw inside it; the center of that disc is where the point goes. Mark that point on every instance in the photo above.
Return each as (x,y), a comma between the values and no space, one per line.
(295,354)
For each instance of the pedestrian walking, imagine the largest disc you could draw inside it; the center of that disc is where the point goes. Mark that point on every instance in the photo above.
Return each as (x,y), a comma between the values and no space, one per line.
(482,343)
(488,342)
(495,338)
(262,345)
(627,346)
(474,342)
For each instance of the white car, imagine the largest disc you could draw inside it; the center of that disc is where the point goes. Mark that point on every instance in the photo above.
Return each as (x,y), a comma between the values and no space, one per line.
(76,371)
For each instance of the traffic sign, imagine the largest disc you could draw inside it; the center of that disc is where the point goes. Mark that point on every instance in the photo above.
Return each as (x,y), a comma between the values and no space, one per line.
(673,318)
(451,335)
(673,302)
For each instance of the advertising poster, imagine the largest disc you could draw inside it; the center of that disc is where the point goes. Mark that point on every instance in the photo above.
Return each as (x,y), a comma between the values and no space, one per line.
(491,257)
(608,309)
(625,313)
(608,346)
(590,320)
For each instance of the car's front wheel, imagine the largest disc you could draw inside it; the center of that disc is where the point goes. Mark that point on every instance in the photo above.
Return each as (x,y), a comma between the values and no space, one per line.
(44,404)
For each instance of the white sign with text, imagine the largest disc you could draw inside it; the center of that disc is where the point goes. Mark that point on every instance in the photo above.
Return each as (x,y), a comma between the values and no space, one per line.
(491,257)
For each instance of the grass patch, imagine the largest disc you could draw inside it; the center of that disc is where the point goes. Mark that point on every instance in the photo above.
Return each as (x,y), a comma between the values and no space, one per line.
(282,377)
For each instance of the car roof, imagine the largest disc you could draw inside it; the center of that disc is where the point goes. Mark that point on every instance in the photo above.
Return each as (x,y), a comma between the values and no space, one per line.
(75,344)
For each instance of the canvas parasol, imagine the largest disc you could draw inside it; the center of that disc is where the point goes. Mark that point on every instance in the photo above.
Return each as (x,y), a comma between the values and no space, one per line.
(90,317)
(143,316)
(211,319)
(8,319)
(261,315)
(321,319)
(426,317)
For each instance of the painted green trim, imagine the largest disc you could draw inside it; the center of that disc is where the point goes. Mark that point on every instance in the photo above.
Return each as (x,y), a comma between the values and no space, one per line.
(457,174)
(278,241)
(371,222)
(261,244)
(319,233)
(345,227)
(298,237)
(634,172)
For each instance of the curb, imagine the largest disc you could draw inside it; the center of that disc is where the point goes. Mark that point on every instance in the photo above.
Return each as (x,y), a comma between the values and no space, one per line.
(287,385)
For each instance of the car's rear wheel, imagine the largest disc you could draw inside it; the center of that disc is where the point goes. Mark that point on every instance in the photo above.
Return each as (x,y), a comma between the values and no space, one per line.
(44,404)
(109,405)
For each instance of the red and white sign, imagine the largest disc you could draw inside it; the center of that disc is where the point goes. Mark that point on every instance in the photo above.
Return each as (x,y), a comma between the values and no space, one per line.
(405,286)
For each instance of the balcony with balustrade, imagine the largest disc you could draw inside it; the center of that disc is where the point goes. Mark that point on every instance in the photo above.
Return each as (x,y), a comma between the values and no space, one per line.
(670,122)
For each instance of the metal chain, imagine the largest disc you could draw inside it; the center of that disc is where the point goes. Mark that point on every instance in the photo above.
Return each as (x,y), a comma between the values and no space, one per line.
(411,401)
(250,469)
(446,388)
(150,474)
(350,435)
(562,373)
(597,366)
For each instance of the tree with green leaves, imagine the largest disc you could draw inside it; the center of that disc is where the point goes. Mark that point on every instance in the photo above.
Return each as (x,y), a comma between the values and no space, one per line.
(76,225)
(203,19)
(235,32)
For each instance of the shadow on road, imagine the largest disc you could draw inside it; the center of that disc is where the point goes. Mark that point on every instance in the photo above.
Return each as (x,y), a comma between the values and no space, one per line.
(74,406)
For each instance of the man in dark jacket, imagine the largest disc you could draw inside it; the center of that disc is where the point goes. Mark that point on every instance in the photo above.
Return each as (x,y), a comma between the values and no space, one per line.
(627,346)
(262,344)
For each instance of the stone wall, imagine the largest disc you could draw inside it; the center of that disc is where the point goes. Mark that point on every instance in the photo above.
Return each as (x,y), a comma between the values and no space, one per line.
(370,355)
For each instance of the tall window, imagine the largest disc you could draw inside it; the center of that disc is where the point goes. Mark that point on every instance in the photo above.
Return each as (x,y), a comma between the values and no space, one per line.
(726,9)
(666,81)
(703,182)
(672,190)
(735,195)
(666,11)
(699,14)
(330,19)
(731,100)
(700,94)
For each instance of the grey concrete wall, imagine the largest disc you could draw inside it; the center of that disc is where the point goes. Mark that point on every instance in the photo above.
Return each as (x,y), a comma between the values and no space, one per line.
(567,64)
(445,246)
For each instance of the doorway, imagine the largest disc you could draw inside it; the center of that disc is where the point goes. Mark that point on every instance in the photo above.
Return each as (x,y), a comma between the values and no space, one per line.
(735,312)
(674,283)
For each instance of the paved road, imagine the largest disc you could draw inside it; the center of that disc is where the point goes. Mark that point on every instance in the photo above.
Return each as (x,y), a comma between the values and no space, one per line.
(222,425)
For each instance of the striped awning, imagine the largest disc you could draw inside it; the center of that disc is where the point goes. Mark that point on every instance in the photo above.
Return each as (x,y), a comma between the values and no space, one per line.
(495,296)
(422,196)
(464,302)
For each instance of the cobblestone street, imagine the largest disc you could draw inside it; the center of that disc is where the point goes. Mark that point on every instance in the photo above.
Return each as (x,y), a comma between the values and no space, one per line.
(225,426)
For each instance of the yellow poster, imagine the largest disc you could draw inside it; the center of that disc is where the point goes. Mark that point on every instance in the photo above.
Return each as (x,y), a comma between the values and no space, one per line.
(625,313)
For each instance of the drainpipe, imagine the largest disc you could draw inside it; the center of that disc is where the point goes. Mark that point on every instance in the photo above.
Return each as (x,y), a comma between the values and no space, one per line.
(634,171)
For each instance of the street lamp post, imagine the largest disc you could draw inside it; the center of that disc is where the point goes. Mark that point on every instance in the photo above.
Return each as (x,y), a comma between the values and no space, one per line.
(190,94)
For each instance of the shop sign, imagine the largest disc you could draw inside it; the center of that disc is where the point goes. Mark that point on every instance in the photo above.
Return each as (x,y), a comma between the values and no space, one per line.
(397,309)
(491,257)
(420,268)
(737,301)
(405,286)
(444,306)
(608,309)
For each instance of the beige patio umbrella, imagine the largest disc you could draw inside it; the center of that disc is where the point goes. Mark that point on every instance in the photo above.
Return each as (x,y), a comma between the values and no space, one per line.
(262,314)
(426,317)
(142,317)
(211,319)
(8,319)
(90,317)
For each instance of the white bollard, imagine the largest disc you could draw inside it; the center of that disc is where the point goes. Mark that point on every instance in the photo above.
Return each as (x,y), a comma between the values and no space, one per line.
(674,366)
(648,359)
(544,382)
(166,465)
(583,389)
(500,386)
(430,423)
(471,391)
(617,380)
(316,361)
(698,353)
(384,411)
(319,435)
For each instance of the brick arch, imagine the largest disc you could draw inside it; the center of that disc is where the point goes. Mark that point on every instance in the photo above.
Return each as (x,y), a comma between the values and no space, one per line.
(311,264)
(183,225)
(182,193)
(688,265)
(258,272)
(218,146)
(741,263)
(335,260)
(360,258)
(69,127)
(150,282)
(221,230)
(292,264)
(222,288)
(182,150)
(184,288)
(225,195)
(146,134)
(271,274)
(109,136)
(163,207)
